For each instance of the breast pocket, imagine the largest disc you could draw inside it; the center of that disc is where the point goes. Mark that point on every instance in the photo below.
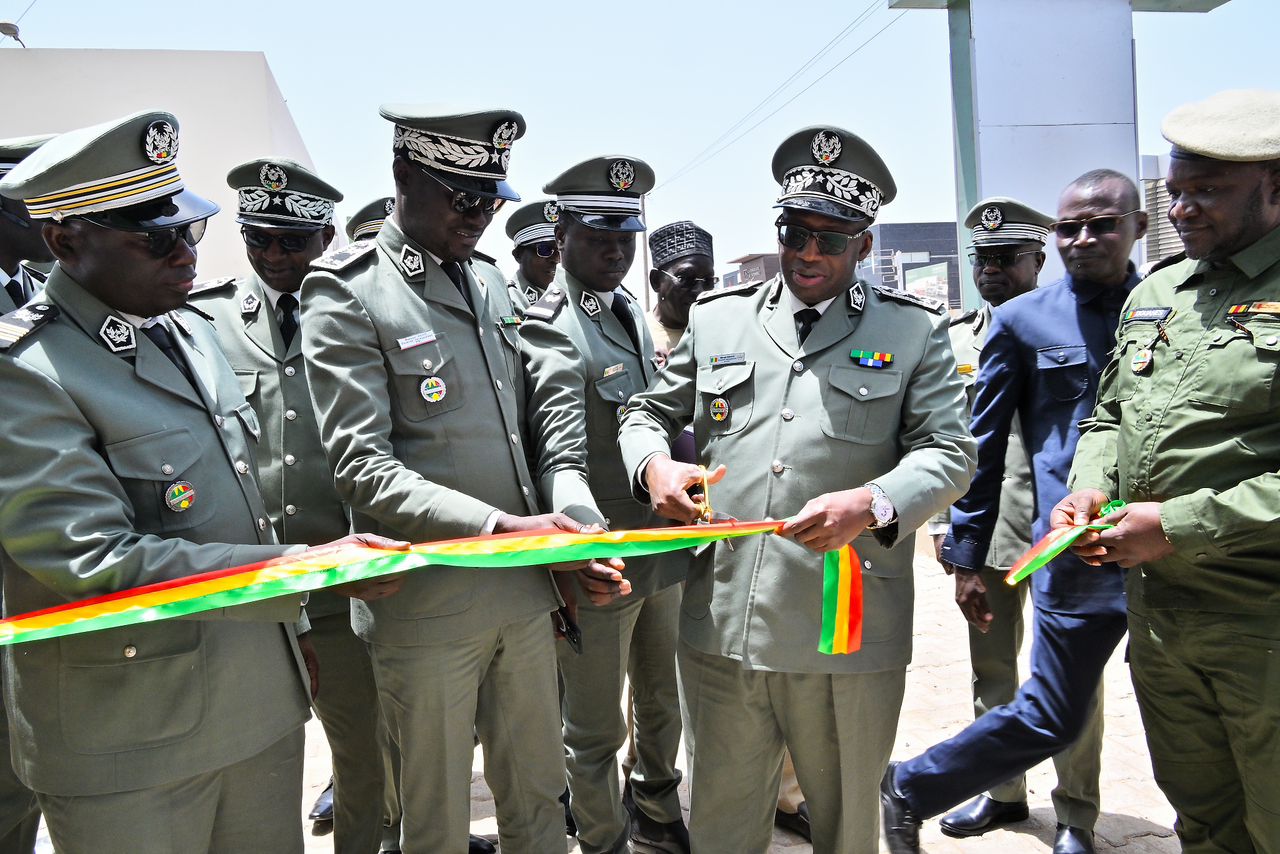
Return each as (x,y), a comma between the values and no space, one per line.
(248,384)
(426,380)
(604,410)
(1064,371)
(726,396)
(158,474)
(1238,371)
(861,404)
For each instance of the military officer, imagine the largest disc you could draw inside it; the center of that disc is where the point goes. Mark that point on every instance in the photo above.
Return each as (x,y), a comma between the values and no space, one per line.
(364,223)
(835,406)
(532,228)
(606,341)
(285,214)
(129,449)
(414,358)
(683,268)
(1184,431)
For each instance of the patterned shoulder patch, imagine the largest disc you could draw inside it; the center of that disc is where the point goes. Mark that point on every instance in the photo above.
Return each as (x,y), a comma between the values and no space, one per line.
(18,324)
(548,305)
(716,293)
(340,259)
(909,298)
(212,286)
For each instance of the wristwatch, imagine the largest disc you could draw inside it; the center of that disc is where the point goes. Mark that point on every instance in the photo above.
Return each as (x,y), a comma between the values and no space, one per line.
(882,508)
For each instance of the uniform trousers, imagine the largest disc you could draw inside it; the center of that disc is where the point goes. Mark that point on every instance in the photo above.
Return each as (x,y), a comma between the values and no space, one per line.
(994,657)
(1050,712)
(347,706)
(19,814)
(636,637)
(253,805)
(1208,688)
(499,683)
(839,728)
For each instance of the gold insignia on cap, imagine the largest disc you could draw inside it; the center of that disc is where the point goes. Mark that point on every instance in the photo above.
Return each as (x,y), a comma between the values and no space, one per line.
(992,218)
(160,142)
(622,174)
(273,177)
(505,135)
(826,147)
(551,212)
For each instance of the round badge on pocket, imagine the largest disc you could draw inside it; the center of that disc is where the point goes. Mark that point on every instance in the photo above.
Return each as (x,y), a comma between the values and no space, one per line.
(719,409)
(432,389)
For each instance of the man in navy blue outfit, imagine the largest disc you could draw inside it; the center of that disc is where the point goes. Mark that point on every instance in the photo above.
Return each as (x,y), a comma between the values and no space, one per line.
(1040,363)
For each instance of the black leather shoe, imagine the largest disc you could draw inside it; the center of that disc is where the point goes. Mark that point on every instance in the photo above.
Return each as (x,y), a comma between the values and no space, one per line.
(982,814)
(323,810)
(901,827)
(797,822)
(649,836)
(570,826)
(1073,840)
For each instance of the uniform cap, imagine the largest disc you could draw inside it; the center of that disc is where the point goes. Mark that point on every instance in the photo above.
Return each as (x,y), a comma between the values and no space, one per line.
(367,222)
(1002,221)
(126,167)
(1241,125)
(833,172)
(275,192)
(534,222)
(466,151)
(678,240)
(14,151)
(604,192)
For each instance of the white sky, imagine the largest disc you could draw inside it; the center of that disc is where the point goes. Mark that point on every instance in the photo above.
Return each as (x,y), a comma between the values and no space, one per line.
(659,80)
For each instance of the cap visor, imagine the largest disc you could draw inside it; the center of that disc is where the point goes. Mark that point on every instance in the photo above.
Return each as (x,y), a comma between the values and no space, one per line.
(486,187)
(610,223)
(180,209)
(268,222)
(834,210)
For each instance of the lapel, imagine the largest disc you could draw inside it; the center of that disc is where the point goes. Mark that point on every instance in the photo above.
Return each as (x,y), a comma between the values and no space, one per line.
(836,323)
(609,325)
(419,269)
(778,320)
(259,319)
(206,380)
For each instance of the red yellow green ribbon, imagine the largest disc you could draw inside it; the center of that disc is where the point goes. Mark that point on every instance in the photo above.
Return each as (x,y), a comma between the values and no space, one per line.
(841,602)
(1055,543)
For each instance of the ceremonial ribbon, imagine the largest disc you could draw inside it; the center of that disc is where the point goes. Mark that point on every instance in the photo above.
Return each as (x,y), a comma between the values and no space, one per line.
(841,602)
(1055,543)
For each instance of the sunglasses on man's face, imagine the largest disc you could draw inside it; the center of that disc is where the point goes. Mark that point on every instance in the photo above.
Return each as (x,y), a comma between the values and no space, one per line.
(464,202)
(797,237)
(698,283)
(291,244)
(161,241)
(546,248)
(1068,228)
(999,260)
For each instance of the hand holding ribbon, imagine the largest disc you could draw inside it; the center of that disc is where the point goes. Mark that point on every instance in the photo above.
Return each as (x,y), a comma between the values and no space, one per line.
(1075,516)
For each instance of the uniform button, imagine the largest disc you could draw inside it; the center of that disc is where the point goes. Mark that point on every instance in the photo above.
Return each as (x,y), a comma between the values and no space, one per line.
(719,384)
(622,395)
(130,651)
(554,289)
(1150,417)
(262,524)
(290,510)
(290,459)
(166,469)
(788,414)
(797,366)
(1271,342)
(1061,358)
(1201,555)
(290,370)
(1213,292)
(498,383)
(768,518)
(242,467)
(290,415)
(1177,355)
(515,440)
(427,364)
(863,391)
(1217,338)
(866,564)
(525,490)
(219,420)
(480,331)
(778,467)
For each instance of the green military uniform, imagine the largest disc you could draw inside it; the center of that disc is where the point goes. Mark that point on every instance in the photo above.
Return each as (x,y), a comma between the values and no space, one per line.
(792,421)
(364,223)
(122,472)
(297,484)
(635,635)
(532,223)
(419,391)
(1186,416)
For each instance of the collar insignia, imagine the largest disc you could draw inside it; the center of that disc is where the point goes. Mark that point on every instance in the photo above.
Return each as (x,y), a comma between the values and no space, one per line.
(117,334)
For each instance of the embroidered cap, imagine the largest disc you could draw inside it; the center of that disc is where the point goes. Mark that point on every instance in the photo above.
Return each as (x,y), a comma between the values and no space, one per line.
(366,222)
(1241,125)
(678,240)
(275,192)
(1002,221)
(14,151)
(604,192)
(830,171)
(467,151)
(534,222)
(123,171)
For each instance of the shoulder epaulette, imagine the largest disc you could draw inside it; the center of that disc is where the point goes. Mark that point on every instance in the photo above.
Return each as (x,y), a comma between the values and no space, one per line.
(38,275)
(967,317)
(1177,258)
(194,310)
(483,257)
(716,293)
(548,305)
(340,259)
(909,298)
(20,323)
(202,288)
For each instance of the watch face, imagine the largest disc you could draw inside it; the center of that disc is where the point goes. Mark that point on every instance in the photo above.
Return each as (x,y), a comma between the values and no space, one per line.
(882,509)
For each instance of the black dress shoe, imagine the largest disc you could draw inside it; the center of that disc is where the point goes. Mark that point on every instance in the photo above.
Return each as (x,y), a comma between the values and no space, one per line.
(1073,840)
(323,810)
(797,822)
(479,845)
(649,836)
(570,826)
(901,827)
(982,814)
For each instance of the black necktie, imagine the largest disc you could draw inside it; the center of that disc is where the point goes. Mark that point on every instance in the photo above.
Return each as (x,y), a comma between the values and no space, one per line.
(160,336)
(805,319)
(623,313)
(14,287)
(288,307)
(453,270)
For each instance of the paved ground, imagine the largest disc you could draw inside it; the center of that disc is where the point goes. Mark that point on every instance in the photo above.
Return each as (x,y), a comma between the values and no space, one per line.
(1135,819)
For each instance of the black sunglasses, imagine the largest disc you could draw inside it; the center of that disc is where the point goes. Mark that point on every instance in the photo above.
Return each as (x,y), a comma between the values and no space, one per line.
(256,238)
(1001,260)
(797,237)
(464,202)
(161,241)
(1067,228)
(546,248)
(698,283)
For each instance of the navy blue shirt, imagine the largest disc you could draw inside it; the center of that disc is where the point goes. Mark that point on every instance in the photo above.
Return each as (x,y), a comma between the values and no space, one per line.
(1040,362)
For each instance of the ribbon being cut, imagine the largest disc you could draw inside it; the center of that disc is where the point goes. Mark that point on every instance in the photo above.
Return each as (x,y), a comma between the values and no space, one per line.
(1055,543)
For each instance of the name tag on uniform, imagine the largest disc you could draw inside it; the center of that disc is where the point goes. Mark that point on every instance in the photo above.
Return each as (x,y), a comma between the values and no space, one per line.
(1147,314)
(613,369)
(729,359)
(416,340)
